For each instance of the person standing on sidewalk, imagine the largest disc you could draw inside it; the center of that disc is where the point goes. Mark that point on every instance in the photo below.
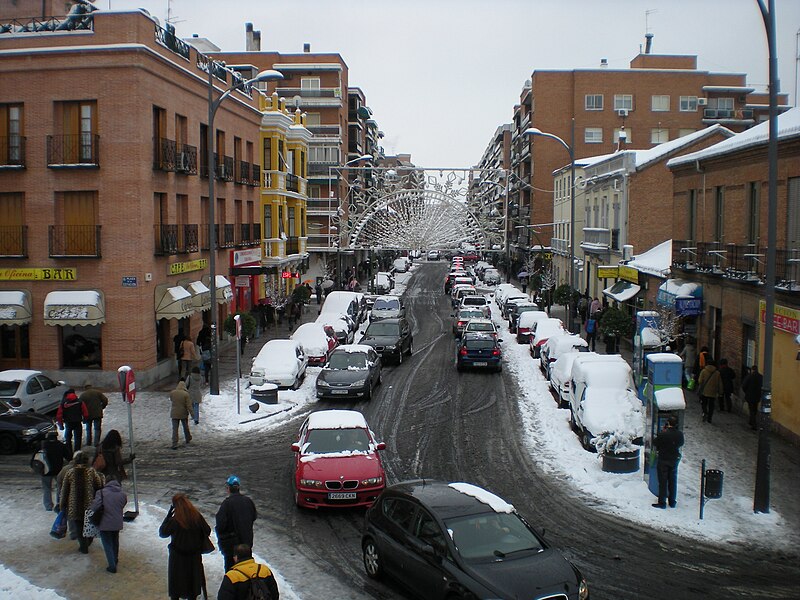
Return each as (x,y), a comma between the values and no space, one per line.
(751,386)
(689,357)
(728,376)
(235,520)
(112,500)
(179,413)
(70,416)
(709,388)
(57,454)
(96,402)
(668,444)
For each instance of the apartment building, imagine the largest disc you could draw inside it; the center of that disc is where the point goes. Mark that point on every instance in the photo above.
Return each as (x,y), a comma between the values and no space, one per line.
(104,235)
(492,180)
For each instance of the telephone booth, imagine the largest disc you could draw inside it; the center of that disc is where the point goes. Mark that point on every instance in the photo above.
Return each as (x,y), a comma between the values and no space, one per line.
(645,342)
(663,398)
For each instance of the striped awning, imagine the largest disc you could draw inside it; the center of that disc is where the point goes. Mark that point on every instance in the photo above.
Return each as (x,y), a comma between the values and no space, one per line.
(173,302)
(201,295)
(15,307)
(75,307)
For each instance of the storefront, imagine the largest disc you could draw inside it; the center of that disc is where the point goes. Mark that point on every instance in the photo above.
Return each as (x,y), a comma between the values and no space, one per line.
(79,315)
(785,364)
(16,313)
(625,289)
(245,268)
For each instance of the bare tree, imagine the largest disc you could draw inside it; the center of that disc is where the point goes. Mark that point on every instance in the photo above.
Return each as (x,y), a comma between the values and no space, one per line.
(670,324)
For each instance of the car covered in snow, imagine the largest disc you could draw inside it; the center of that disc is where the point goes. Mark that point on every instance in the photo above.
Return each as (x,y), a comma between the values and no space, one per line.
(543,330)
(558,345)
(401,265)
(352,371)
(383,282)
(317,342)
(560,373)
(342,326)
(477,301)
(282,362)
(462,317)
(491,276)
(480,326)
(525,323)
(337,461)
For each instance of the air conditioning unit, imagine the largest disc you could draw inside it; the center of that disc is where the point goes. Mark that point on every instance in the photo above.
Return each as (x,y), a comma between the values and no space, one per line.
(622,112)
(702,101)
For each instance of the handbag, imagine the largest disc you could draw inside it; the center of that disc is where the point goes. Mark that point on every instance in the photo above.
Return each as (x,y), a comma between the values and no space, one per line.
(90,530)
(59,528)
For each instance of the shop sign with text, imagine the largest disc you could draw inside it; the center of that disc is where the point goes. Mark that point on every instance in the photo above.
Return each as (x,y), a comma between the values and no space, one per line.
(48,274)
(785,319)
(186,267)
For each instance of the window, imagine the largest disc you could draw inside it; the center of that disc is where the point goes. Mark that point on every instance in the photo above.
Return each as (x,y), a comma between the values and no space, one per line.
(268,233)
(309,83)
(11,134)
(326,154)
(12,231)
(281,156)
(399,511)
(604,213)
(312,120)
(623,101)
(691,217)
(688,104)
(81,346)
(721,103)
(624,133)
(292,222)
(719,214)
(593,135)
(594,101)
(75,233)
(76,125)
(753,210)
(659,135)
(659,103)
(267,158)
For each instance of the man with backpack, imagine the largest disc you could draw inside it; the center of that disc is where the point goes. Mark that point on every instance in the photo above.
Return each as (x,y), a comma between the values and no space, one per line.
(247,579)
(49,465)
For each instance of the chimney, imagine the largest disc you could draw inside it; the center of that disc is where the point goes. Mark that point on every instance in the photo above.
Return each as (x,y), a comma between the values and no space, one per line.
(648,42)
(306,48)
(252,38)
(603,63)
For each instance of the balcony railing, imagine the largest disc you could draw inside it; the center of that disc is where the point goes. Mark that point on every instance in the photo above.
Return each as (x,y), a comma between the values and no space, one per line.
(329,131)
(186,162)
(167,38)
(560,246)
(76,150)
(14,240)
(225,169)
(164,155)
(176,239)
(255,175)
(322,205)
(242,174)
(598,238)
(12,151)
(320,168)
(228,237)
(309,93)
(74,240)
(292,183)
(292,245)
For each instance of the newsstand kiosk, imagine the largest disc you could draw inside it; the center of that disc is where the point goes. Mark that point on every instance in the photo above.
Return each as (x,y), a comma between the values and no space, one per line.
(663,398)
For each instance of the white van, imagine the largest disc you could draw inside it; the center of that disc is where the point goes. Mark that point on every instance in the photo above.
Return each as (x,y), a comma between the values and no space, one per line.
(343,303)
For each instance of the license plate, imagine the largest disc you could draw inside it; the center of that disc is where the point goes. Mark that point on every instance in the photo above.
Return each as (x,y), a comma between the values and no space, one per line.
(481,364)
(338,391)
(341,495)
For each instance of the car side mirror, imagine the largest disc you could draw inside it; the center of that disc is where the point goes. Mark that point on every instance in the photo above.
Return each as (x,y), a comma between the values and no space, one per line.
(295,447)
(499,341)
(380,446)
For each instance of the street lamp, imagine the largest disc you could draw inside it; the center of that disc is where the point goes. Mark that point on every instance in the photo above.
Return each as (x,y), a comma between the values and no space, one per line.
(571,150)
(356,160)
(213,105)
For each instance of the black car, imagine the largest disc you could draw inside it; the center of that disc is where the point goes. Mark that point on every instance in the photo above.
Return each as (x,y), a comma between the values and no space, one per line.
(21,429)
(459,541)
(391,338)
(479,350)
(352,371)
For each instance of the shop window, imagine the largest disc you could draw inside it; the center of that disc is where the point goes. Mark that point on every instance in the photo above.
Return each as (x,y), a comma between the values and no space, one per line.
(81,347)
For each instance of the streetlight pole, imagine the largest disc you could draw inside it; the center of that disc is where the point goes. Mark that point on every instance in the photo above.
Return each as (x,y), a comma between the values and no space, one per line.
(571,150)
(213,105)
(505,227)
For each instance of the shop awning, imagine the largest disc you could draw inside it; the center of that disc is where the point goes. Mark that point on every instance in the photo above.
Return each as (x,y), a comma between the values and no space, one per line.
(622,291)
(15,307)
(685,297)
(670,399)
(201,295)
(74,307)
(173,302)
(224,292)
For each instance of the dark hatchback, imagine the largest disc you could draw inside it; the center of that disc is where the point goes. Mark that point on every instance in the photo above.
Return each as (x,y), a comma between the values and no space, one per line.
(21,429)
(352,371)
(458,541)
(391,338)
(479,350)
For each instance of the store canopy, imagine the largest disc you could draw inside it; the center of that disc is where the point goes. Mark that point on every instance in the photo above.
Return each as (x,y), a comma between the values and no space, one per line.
(15,307)
(74,307)
(685,297)
(224,292)
(622,291)
(173,302)
(670,398)
(201,295)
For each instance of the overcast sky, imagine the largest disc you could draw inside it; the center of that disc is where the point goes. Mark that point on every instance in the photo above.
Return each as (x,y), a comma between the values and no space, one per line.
(441,75)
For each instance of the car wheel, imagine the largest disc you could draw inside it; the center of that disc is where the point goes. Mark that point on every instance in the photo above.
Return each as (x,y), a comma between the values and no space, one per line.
(586,441)
(372,559)
(380,379)
(8,444)
(400,357)
(368,395)
(410,347)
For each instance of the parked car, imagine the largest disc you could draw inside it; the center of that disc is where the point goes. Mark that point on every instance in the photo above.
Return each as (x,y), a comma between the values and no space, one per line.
(479,350)
(501,290)
(481,302)
(480,326)
(558,345)
(282,362)
(560,373)
(317,343)
(33,391)
(510,297)
(514,309)
(492,276)
(542,330)
(340,302)
(391,338)
(21,429)
(383,282)
(401,264)
(342,326)
(456,540)
(387,307)
(337,461)
(462,317)
(352,371)
(525,324)
(433,255)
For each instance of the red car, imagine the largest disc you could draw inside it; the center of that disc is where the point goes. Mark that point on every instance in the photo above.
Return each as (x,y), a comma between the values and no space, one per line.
(337,461)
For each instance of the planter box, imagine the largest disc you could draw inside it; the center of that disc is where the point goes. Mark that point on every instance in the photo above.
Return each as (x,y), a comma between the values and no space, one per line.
(266,393)
(622,462)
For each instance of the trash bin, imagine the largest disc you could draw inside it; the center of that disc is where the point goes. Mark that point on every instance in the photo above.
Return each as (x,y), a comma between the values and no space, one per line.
(266,393)
(713,487)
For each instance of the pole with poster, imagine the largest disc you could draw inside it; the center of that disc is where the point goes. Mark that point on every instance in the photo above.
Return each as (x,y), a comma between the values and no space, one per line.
(127,386)
(238,320)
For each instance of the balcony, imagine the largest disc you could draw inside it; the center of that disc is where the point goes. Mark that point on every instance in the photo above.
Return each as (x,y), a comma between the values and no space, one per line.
(225,169)
(292,183)
(78,150)
(165,155)
(560,246)
(176,239)
(295,245)
(226,237)
(596,239)
(166,37)
(14,241)
(186,162)
(325,131)
(321,168)
(242,172)
(249,234)
(70,241)
(727,114)
(12,151)
(321,206)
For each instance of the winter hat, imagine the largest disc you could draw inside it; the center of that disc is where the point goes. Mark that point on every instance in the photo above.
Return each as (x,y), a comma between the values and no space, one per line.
(233,480)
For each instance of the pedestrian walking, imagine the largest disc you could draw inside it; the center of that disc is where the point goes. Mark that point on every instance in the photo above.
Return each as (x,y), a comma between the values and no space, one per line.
(204,339)
(246,574)
(109,461)
(702,359)
(188,532)
(709,388)
(95,402)
(194,384)
(70,416)
(281,311)
(111,500)
(751,386)
(177,340)
(234,521)
(668,444)
(688,355)
(56,453)
(189,357)
(295,310)
(318,292)
(728,377)
(591,332)
(594,307)
(179,413)
(77,492)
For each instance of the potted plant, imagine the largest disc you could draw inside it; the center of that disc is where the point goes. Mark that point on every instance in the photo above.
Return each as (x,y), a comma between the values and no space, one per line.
(614,323)
(618,451)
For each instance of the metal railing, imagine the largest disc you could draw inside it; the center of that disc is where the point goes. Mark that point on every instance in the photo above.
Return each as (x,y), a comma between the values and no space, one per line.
(14,240)
(167,38)
(76,21)
(74,240)
(292,183)
(255,175)
(242,174)
(309,93)
(81,149)
(176,239)
(597,237)
(228,237)
(186,162)
(225,168)
(164,155)
(12,151)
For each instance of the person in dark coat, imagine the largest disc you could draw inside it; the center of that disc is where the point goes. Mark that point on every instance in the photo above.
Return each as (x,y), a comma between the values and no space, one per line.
(188,533)
(318,293)
(111,450)
(56,453)
(751,386)
(95,402)
(728,377)
(235,519)
(236,583)
(113,500)
(77,493)
(204,344)
(668,444)
(70,416)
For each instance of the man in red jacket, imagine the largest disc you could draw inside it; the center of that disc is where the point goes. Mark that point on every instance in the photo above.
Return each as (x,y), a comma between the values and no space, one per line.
(70,416)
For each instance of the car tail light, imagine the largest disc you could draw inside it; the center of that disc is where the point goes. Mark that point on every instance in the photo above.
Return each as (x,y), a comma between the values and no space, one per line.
(522,330)
(463,352)
(496,352)
(462,323)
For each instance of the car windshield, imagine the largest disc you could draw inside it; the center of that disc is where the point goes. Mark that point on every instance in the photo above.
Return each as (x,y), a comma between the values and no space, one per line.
(386,304)
(348,360)
(491,536)
(469,314)
(381,328)
(480,327)
(329,441)
(479,344)
(8,388)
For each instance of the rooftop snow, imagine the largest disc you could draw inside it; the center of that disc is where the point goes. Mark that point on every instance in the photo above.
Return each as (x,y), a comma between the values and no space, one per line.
(645,157)
(336,419)
(655,261)
(496,503)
